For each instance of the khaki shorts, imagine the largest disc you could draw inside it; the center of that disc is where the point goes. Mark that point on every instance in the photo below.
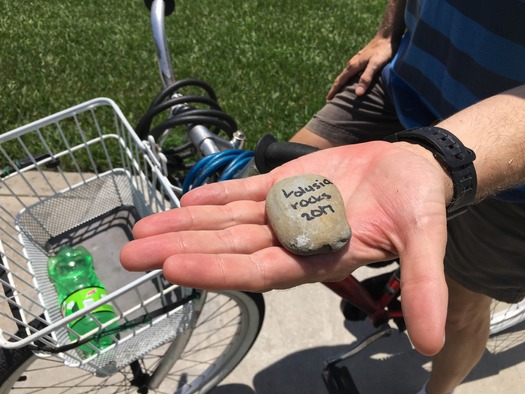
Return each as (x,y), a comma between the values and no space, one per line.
(349,119)
(486,245)
(486,249)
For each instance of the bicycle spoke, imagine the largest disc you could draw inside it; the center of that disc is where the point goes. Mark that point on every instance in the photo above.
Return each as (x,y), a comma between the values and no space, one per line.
(507,330)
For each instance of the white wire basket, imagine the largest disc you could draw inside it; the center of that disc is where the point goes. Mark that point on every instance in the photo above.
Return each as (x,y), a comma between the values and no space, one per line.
(83,177)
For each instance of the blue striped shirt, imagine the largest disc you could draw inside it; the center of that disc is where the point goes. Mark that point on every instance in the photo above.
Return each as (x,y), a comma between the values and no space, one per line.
(454,54)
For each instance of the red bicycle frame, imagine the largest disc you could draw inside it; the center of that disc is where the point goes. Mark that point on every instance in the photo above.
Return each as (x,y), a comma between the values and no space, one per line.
(377,309)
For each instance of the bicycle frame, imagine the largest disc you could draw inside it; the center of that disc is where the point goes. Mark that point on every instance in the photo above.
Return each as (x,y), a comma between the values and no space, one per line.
(353,291)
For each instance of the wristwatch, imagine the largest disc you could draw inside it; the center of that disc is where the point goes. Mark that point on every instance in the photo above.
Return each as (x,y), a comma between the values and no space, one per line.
(454,157)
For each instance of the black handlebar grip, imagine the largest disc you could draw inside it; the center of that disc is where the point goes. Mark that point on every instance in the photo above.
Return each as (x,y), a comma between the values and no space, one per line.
(270,154)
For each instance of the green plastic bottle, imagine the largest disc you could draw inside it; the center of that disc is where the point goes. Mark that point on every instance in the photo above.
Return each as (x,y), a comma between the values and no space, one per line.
(78,286)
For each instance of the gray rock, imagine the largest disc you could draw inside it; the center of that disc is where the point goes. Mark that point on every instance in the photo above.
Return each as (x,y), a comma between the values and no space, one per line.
(307,214)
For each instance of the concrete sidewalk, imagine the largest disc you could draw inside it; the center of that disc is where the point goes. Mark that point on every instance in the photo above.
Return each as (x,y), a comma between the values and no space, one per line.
(303,327)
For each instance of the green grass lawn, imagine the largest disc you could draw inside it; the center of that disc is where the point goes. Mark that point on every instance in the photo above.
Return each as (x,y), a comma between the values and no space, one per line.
(270,62)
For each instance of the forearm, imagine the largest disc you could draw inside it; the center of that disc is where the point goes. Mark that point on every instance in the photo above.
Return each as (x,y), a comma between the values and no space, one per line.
(495,130)
(392,25)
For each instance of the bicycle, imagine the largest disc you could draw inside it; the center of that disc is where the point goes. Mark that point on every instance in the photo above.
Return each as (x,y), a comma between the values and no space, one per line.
(100,178)
(151,169)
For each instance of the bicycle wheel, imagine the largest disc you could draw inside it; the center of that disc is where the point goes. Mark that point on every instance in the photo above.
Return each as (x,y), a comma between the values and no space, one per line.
(505,329)
(227,327)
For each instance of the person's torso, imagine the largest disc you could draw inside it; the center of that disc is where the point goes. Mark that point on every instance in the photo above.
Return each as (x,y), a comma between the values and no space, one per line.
(454,54)
(458,52)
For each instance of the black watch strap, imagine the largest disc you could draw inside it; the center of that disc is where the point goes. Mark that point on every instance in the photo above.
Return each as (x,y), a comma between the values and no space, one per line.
(455,158)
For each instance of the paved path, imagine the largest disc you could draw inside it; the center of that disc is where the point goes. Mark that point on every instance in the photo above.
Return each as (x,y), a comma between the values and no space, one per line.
(304,326)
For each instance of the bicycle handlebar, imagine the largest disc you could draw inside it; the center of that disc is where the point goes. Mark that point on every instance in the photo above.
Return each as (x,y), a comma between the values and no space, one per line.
(159,9)
(270,154)
(182,111)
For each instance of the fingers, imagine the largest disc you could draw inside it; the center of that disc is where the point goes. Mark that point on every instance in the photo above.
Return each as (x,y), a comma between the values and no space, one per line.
(253,188)
(353,67)
(151,252)
(206,217)
(424,291)
(266,269)
(340,81)
(365,63)
(366,79)
(370,69)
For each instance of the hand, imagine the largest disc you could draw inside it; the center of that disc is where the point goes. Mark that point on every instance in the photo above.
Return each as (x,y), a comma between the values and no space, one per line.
(395,203)
(368,61)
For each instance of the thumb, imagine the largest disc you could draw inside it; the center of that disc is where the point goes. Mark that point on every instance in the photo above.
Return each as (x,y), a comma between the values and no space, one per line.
(424,293)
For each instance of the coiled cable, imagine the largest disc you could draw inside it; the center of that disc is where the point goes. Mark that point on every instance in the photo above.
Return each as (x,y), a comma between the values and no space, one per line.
(186,114)
(226,164)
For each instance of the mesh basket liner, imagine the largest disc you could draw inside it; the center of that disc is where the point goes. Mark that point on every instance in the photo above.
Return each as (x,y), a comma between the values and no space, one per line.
(66,211)
(104,207)
(142,342)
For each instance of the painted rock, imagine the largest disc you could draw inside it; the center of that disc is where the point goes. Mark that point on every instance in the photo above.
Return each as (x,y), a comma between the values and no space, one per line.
(307,214)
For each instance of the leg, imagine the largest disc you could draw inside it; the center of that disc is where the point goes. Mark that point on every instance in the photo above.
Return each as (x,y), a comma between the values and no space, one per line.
(467,330)
(305,136)
(485,252)
(350,119)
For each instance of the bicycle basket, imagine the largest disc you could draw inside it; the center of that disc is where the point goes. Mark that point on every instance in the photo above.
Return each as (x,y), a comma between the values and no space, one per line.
(82,177)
